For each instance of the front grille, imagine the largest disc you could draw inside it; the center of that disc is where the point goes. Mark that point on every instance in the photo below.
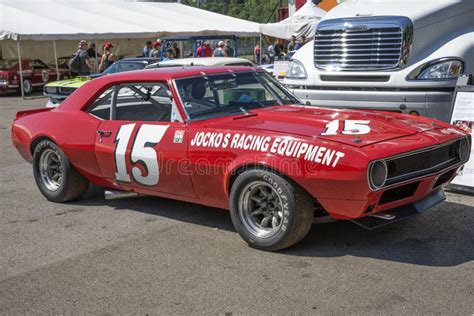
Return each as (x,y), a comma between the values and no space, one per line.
(423,162)
(362,43)
(66,90)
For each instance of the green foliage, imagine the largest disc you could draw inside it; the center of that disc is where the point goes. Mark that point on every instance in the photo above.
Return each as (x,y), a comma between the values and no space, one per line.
(253,10)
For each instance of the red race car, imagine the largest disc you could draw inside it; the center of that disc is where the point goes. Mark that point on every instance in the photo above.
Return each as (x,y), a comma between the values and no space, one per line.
(234,138)
(35,74)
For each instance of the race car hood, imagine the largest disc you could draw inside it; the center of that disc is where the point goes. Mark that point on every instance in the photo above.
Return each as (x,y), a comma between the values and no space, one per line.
(69,83)
(348,127)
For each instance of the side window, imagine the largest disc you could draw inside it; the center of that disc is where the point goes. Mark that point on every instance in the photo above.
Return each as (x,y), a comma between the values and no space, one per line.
(144,102)
(38,64)
(101,107)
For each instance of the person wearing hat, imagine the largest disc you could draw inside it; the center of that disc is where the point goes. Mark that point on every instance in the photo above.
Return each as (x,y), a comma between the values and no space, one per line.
(219,52)
(155,51)
(80,62)
(176,50)
(108,58)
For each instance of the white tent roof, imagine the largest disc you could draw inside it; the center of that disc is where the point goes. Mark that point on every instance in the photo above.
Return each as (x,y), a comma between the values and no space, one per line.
(74,20)
(303,22)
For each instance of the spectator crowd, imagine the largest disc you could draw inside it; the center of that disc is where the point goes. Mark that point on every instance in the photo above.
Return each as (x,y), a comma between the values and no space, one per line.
(87,60)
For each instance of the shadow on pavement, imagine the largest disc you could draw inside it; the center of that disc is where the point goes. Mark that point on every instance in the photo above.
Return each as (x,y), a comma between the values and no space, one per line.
(442,236)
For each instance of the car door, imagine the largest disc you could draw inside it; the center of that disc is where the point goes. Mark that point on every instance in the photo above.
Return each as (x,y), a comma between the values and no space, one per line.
(141,139)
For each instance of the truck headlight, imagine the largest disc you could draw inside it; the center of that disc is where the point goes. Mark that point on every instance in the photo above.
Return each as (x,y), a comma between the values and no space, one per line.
(296,70)
(440,69)
(377,174)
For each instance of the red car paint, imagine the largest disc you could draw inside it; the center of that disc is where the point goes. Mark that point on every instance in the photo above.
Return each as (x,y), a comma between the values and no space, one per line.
(198,169)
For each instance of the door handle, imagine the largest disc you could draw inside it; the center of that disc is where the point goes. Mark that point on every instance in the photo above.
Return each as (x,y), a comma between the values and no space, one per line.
(103,133)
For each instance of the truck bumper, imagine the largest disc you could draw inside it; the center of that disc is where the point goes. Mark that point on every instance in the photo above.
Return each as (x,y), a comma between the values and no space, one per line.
(430,103)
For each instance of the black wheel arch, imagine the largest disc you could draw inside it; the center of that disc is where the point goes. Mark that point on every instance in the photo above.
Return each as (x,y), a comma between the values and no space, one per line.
(38,140)
(252,166)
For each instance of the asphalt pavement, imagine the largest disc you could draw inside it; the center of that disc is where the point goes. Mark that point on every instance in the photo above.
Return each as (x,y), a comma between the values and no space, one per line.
(159,256)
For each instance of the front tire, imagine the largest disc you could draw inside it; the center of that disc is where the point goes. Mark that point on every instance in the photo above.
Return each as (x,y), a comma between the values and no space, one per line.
(268,211)
(27,87)
(55,177)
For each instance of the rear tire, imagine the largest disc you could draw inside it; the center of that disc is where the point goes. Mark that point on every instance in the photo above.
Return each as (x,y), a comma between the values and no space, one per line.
(268,211)
(55,177)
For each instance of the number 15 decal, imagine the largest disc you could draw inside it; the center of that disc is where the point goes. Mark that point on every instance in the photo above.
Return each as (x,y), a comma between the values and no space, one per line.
(143,153)
(351,127)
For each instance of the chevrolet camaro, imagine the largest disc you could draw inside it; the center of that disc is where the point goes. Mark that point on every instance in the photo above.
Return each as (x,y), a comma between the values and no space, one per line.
(235,138)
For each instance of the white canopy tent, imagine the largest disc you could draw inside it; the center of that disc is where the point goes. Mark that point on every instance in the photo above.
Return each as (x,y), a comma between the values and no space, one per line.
(36,28)
(303,22)
(69,20)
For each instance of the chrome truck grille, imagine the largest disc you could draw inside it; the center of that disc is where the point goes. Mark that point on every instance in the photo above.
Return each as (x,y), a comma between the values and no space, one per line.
(361,44)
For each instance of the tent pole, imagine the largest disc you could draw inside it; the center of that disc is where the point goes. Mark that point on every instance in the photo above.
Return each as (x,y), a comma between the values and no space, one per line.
(56,60)
(261,50)
(21,69)
(95,60)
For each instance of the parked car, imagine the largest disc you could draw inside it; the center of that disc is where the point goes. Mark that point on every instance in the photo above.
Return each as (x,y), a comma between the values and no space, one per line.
(203,61)
(387,56)
(235,138)
(58,91)
(35,74)
(63,67)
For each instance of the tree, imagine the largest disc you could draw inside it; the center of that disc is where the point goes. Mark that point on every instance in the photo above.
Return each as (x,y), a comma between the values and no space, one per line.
(252,10)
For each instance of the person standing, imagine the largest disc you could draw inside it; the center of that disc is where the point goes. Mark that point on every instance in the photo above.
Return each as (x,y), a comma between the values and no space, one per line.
(91,51)
(301,42)
(176,50)
(271,53)
(277,49)
(256,53)
(292,44)
(228,50)
(156,50)
(108,58)
(220,52)
(80,63)
(147,49)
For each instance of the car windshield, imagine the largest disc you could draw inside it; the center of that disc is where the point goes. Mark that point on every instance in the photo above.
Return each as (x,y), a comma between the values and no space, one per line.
(210,96)
(123,66)
(6,64)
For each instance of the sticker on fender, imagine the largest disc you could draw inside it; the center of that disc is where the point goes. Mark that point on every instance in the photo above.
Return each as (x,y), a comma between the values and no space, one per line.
(266,144)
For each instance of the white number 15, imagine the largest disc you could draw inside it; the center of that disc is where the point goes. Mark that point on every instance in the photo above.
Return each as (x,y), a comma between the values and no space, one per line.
(143,153)
(351,127)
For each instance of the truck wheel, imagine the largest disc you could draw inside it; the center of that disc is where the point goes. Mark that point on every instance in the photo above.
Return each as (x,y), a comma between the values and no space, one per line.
(27,87)
(269,212)
(56,178)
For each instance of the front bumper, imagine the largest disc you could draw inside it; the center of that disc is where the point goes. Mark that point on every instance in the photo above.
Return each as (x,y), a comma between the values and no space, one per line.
(435,103)
(400,213)
(396,196)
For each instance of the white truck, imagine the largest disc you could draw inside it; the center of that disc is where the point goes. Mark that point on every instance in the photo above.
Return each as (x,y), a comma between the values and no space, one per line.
(392,55)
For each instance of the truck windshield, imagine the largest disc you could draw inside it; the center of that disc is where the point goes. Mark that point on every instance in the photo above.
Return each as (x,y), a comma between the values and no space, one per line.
(210,96)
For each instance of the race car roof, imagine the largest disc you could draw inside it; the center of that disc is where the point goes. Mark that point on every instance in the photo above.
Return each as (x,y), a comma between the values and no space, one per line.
(91,89)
